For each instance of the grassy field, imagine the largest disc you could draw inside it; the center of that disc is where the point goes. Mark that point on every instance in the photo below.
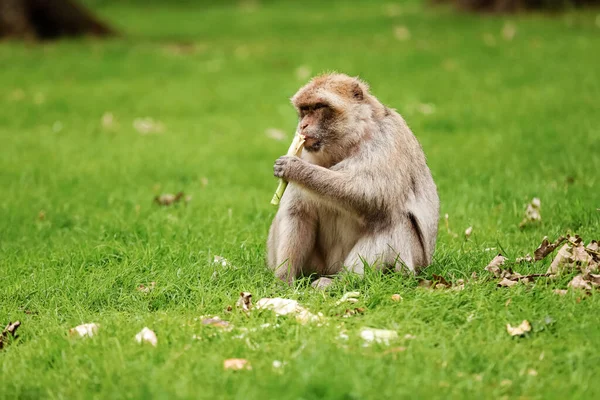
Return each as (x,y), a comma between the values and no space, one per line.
(506,109)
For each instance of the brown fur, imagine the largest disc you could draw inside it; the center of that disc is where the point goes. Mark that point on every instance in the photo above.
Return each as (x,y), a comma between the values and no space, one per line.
(361,192)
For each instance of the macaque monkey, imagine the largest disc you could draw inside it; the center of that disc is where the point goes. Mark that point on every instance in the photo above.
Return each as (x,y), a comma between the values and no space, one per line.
(360,193)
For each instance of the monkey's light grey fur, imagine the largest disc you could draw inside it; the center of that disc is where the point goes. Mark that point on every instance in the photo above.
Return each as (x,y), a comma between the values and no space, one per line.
(361,192)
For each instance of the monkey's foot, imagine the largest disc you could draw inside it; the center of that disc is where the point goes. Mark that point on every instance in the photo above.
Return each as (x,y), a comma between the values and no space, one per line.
(322,283)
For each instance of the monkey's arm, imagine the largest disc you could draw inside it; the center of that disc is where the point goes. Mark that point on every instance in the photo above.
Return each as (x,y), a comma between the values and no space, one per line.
(338,187)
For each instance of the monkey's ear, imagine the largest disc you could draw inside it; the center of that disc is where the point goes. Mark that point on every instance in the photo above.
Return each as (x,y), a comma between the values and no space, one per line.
(357,92)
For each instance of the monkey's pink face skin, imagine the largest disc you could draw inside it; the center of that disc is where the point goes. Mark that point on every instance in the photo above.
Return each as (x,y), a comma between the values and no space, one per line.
(313,125)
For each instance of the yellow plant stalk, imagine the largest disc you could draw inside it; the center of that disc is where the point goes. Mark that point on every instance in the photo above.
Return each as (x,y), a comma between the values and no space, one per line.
(294,150)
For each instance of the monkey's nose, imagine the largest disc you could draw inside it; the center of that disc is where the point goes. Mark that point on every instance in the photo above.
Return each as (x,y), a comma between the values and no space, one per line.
(304,126)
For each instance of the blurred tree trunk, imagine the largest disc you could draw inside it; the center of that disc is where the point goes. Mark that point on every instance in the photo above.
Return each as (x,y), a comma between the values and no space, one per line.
(48,19)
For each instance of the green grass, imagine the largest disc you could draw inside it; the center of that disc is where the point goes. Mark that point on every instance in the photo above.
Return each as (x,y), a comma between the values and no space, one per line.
(511,121)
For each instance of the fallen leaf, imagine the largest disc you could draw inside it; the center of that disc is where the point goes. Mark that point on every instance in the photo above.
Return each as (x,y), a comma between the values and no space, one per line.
(520,330)
(532,372)
(440,282)
(146,289)
(108,120)
(221,260)
(168,199)
(468,232)
(396,297)
(393,350)
(9,332)
(546,247)
(276,134)
(521,260)
(382,336)
(401,33)
(578,282)
(424,283)
(560,292)
(507,282)
(563,258)
(303,72)
(146,126)
(350,297)
(281,306)
(509,30)
(146,335)
(322,283)
(580,255)
(350,312)
(277,364)
(505,382)
(237,364)
(245,301)
(408,336)
(532,212)
(494,265)
(426,108)
(217,323)
(84,330)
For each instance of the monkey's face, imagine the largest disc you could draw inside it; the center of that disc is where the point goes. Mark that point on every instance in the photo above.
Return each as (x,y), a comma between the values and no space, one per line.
(328,109)
(315,123)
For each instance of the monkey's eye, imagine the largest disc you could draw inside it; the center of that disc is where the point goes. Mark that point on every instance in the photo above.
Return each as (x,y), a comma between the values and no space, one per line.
(320,105)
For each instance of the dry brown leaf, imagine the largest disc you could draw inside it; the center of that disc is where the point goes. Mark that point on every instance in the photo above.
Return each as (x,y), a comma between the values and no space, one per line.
(146,335)
(276,134)
(396,297)
(221,260)
(401,33)
(494,265)
(108,120)
(350,312)
(424,283)
(546,247)
(505,282)
(237,364)
(509,30)
(350,297)
(393,350)
(382,336)
(468,232)
(578,282)
(520,330)
(281,306)
(146,289)
(593,246)
(303,72)
(217,323)
(580,255)
(441,282)
(245,301)
(322,283)
(563,258)
(9,332)
(168,199)
(146,126)
(521,260)
(84,330)
(532,212)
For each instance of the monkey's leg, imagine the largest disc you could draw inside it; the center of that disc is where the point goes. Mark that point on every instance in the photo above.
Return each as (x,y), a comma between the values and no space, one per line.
(295,245)
(382,250)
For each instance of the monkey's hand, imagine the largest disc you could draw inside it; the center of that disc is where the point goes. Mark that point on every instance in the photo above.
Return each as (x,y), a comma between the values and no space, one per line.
(287,167)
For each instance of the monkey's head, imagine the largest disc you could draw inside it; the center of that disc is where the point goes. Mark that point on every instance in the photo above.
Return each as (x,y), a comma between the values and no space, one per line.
(330,108)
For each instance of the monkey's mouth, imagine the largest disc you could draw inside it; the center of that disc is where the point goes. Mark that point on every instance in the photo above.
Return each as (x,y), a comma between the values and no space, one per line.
(312,144)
